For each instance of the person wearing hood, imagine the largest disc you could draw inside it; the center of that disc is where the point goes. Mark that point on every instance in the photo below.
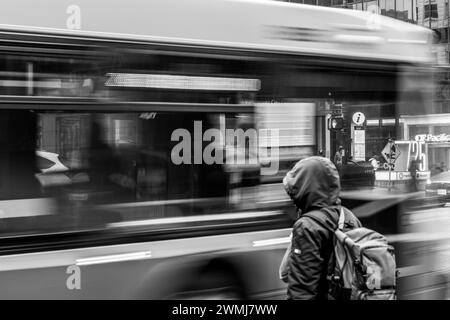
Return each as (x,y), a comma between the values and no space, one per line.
(314,186)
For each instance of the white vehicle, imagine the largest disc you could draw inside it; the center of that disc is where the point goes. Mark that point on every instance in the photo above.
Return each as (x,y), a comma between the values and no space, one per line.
(116,61)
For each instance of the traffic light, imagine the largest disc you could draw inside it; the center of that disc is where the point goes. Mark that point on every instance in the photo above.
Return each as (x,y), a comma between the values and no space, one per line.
(335,123)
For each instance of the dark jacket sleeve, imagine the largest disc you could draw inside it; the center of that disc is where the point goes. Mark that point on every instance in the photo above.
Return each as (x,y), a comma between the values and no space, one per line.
(306,264)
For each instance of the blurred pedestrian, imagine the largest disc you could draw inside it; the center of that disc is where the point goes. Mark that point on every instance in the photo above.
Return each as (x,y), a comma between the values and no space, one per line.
(413,168)
(314,185)
(338,159)
(102,162)
(375,162)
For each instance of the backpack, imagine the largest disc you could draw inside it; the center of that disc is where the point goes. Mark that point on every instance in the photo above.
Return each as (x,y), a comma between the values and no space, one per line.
(362,265)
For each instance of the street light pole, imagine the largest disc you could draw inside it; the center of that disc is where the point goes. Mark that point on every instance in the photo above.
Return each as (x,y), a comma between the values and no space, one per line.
(429,12)
(448,33)
(390,159)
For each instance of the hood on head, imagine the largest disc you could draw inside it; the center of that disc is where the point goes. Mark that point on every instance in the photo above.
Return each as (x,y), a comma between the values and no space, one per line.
(313,183)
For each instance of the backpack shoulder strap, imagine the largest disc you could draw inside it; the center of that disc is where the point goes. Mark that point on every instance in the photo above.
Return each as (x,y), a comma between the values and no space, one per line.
(341,221)
(337,232)
(319,217)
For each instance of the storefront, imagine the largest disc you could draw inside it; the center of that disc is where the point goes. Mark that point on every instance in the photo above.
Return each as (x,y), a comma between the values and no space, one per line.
(434,130)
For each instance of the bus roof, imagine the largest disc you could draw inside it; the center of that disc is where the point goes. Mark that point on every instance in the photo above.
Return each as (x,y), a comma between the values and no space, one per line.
(242,24)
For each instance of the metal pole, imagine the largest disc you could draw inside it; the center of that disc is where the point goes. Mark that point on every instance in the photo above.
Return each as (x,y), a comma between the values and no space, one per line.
(429,12)
(390,158)
(448,47)
(448,35)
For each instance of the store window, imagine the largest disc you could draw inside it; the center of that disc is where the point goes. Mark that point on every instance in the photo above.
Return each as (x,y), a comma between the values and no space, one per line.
(338,2)
(325,3)
(441,35)
(401,10)
(439,149)
(438,130)
(90,165)
(389,9)
(370,6)
(430,10)
(416,130)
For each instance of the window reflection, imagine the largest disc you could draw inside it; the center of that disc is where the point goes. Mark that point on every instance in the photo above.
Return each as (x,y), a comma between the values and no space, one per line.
(84,168)
(87,161)
(430,10)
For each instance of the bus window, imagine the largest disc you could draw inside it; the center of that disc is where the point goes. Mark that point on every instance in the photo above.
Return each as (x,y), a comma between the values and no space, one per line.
(115,167)
(17,156)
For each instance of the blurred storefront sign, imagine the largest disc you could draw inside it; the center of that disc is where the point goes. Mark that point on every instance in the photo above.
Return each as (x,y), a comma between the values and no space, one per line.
(400,156)
(409,151)
(434,131)
(402,175)
(433,138)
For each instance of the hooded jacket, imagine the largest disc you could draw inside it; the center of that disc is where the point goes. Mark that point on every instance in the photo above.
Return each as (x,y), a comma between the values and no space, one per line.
(313,184)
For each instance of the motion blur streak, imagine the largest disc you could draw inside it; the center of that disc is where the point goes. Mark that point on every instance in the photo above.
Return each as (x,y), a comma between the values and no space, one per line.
(90,100)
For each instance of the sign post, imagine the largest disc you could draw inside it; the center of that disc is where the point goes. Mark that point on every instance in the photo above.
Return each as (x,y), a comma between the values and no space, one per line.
(358,134)
(399,156)
(390,167)
(390,153)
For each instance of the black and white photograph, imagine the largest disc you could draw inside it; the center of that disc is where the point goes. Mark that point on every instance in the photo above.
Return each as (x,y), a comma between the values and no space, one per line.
(259,151)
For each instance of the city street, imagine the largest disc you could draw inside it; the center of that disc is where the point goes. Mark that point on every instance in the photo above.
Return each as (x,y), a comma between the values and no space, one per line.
(224,149)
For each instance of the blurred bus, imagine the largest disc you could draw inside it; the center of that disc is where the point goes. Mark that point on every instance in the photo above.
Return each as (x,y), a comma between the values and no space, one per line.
(121,95)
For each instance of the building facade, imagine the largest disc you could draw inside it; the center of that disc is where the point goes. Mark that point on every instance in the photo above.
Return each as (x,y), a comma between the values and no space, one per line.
(382,123)
(405,10)
(434,14)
